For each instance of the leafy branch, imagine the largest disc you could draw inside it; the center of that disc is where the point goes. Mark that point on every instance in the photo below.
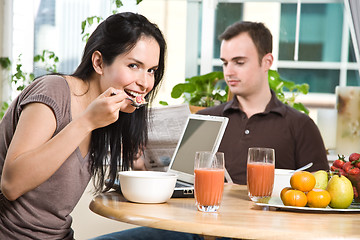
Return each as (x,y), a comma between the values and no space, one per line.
(118,4)
(21,79)
(50,60)
(278,84)
(205,90)
(89,21)
(5,63)
(208,90)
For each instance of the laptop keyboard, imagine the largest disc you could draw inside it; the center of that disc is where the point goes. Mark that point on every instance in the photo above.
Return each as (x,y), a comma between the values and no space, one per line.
(182,185)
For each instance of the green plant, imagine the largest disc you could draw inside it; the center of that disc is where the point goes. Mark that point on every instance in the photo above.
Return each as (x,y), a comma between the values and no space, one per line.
(48,59)
(20,79)
(5,63)
(210,89)
(204,90)
(279,85)
(88,22)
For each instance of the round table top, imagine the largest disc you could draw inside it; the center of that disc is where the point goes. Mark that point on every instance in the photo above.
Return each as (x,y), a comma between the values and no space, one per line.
(238,217)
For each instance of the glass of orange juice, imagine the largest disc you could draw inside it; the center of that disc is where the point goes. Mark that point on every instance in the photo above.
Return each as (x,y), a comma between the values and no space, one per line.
(260,173)
(209,180)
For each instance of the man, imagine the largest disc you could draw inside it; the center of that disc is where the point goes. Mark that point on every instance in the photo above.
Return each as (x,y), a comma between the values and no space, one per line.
(256,117)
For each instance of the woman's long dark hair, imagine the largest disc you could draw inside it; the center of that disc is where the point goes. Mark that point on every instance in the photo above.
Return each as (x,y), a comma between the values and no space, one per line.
(114,147)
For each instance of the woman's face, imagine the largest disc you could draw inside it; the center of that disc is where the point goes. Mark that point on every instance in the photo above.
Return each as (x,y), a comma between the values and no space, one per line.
(134,71)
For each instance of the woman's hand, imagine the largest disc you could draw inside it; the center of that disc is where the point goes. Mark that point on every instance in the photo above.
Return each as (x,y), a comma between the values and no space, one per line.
(138,162)
(104,110)
(35,147)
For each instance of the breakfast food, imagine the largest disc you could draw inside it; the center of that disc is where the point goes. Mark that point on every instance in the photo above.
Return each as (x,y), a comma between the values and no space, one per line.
(341,192)
(318,198)
(303,181)
(303,193)
(350,169)
(322,179)
(336,189)
(295,198)
(140,99)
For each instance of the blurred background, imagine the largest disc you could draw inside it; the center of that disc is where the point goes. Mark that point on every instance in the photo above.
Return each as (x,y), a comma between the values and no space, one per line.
(313,39)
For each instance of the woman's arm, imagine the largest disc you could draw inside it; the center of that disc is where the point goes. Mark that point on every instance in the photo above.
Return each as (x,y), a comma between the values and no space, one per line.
(34,155)
(139,163)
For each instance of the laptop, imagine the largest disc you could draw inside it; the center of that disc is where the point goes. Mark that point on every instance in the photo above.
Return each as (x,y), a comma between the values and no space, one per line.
(201,133)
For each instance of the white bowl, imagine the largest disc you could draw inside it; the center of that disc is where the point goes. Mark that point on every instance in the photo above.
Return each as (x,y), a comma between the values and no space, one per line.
(147,186)
(282,179)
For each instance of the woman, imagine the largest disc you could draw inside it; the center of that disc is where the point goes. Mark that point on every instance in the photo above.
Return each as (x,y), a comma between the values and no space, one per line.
(63,130)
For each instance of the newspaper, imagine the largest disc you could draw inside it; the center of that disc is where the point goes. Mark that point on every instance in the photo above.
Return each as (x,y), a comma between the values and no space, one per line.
(165,128)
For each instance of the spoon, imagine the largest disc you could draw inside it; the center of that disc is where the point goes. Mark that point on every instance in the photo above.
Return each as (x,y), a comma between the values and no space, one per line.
(135,104)
(303,168)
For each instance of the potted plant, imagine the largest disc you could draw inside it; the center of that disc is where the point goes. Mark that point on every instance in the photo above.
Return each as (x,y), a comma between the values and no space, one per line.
(202,91)
(210,89)
(278,84)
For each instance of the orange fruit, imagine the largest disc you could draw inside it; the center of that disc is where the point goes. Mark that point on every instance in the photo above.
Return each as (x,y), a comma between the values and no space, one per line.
(303,181)
(318,198)
(283,191)
(294,198)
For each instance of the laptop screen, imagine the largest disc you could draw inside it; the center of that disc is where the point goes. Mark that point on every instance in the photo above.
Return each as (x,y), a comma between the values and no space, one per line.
(202,133)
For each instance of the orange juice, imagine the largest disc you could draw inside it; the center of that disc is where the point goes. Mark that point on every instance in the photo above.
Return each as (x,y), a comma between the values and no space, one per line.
(209,186)
(260,179)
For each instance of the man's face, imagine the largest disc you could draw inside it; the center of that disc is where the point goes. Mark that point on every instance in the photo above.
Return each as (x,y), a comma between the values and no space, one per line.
(243,72)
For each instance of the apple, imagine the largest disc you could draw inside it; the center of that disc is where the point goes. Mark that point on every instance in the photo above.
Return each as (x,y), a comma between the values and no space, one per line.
(341,192)
(321,177)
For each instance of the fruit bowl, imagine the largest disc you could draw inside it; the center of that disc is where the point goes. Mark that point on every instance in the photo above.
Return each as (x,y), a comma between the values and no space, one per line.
(355,181)
(350,168)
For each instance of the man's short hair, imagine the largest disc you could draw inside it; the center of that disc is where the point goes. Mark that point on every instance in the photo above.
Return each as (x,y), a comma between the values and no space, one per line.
(260,35)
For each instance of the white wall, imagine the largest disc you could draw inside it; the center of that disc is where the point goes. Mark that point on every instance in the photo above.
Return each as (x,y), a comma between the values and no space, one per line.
(1,42)
(170,16)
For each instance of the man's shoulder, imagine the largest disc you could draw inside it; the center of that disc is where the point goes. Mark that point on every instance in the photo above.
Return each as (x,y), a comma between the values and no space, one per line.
(215,111)
(297,120)
(293,113)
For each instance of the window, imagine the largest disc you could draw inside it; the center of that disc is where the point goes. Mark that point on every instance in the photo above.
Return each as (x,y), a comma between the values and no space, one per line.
(56,27)
(325,56)
(320,46)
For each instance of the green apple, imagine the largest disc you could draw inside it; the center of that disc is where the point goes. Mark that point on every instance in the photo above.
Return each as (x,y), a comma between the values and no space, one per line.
(341,192)
(321,177)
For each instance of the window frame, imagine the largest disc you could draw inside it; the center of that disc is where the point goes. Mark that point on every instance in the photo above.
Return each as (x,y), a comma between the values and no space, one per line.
(206,62)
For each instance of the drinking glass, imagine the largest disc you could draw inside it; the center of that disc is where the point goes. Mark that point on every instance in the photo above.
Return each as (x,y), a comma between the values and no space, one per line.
(209,180)
(260,173)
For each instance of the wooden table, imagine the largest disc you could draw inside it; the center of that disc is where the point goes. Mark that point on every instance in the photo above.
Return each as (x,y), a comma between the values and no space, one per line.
(238,217)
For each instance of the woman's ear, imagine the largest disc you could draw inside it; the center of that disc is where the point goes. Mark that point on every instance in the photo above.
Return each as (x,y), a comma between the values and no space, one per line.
(267,61)
(97,62)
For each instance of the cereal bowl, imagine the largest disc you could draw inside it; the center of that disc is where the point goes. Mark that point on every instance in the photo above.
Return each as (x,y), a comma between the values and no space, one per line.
(147,186)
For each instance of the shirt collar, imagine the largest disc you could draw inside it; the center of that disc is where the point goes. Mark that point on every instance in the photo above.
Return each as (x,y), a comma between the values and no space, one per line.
(275,105)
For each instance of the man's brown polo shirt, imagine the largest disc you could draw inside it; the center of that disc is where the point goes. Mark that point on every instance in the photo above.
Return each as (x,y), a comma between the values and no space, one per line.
(294,136)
